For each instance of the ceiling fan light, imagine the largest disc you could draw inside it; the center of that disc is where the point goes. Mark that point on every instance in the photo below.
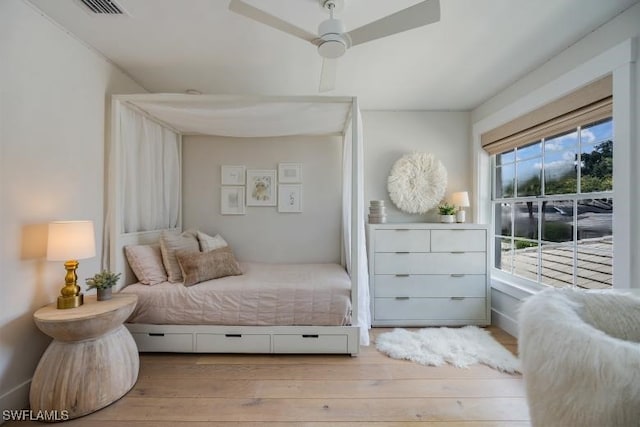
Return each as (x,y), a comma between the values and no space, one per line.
(332,48)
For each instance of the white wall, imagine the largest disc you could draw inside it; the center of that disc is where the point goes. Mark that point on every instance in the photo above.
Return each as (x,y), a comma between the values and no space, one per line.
(315,234)
(603,51)
(388,135)
(263,234)
(53,94)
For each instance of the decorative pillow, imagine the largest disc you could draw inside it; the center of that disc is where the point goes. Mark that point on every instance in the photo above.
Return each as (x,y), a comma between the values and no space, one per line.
(170,242)
(208,243)
(146,263)
(200,266)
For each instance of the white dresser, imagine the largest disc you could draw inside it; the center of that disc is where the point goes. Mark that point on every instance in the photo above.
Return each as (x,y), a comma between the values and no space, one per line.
(428,274)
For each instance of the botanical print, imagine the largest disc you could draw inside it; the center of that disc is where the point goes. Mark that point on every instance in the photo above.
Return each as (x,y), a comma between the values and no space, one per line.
(232,201)
(290,172)
(232,175)
(261,188)
(290,198)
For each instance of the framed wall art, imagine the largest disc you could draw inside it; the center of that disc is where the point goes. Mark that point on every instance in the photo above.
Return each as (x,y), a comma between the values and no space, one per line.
(261,187)
(232,175)
(232,201)
(290,198)
(290,172)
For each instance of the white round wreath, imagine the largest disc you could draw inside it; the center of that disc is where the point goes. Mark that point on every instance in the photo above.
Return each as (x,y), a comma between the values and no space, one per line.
(417,182)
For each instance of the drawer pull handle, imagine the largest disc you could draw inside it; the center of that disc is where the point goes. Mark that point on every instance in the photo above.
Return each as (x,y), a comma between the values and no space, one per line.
(458,252)
(401,229)
(151,334)
(402,275)
(457,298)
(402,253)
(233,335)
(457,275)
(402,298)
(311,336)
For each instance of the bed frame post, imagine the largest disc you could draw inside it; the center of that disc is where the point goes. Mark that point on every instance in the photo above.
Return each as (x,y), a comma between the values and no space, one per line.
(355,210)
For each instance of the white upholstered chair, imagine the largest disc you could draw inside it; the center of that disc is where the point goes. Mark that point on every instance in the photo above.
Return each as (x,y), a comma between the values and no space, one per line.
(580,356)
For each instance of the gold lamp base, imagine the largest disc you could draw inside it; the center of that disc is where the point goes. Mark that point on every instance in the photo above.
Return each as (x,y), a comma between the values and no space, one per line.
(70,293)
(70,302)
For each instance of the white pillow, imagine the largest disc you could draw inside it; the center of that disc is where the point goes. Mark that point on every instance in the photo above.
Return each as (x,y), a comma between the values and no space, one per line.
(146,263)
(208,243)
(170,242)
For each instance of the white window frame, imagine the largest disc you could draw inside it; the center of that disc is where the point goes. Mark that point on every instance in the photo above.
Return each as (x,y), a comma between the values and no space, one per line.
(620,62)
(538,199)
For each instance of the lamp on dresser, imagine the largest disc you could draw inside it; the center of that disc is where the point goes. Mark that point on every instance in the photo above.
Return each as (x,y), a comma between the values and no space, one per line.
(461,200)
(70,241)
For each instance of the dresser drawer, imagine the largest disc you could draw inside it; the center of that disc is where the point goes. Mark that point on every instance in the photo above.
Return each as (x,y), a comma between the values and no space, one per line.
(402,240)
(430,263)
(311,343)
(458,240)
(429,309)
(233,343)
(438,285)
(169,342)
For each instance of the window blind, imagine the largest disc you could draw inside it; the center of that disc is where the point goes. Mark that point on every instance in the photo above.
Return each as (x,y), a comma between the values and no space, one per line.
(585,105)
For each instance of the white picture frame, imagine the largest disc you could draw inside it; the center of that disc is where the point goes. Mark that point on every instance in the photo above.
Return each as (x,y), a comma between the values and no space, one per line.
(290,173)
(232,201)
(262,187)
(232,175)
(290,198)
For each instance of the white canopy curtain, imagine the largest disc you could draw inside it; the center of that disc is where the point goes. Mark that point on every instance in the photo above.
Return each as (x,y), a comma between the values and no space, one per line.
(363,312)
(150,156)
(245,117)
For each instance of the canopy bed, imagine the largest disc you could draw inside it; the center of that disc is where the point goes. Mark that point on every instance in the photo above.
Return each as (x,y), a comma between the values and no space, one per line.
(144,204)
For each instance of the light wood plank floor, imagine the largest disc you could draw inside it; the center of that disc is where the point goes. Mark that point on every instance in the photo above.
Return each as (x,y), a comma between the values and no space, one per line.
(292,390)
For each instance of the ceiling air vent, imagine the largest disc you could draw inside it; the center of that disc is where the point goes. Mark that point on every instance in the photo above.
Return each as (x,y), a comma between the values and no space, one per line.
(107,7)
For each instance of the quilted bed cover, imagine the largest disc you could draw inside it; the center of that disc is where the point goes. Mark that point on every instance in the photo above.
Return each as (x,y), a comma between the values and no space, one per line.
(264,295)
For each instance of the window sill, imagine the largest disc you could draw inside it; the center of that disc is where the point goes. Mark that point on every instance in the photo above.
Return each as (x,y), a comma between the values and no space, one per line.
(514,290)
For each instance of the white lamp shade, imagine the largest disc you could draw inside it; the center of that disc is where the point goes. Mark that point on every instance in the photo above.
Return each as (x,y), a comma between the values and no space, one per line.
(71,240)
(460,199)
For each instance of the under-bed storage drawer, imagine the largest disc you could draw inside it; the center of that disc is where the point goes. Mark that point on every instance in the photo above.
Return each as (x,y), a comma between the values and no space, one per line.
(169,342)
(310,343)
(233,343)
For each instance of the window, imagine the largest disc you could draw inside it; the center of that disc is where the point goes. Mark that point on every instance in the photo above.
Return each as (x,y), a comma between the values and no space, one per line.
(552,198)
(553,207)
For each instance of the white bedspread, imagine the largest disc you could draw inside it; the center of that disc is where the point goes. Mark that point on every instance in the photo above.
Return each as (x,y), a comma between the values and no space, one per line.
(265,295)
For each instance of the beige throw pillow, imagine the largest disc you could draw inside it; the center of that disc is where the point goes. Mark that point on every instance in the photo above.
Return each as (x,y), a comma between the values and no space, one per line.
(208,243)
(200,266)
(170,242)
(146,263)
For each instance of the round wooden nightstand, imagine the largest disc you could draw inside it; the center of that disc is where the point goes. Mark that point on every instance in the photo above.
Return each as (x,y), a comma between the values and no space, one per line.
(92,360)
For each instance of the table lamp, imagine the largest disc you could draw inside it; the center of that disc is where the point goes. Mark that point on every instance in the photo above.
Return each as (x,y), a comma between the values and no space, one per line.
(461,200)
(70,241)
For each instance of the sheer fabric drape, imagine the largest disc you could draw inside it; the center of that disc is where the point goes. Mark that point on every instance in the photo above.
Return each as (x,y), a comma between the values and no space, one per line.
(150,174)
(364,313)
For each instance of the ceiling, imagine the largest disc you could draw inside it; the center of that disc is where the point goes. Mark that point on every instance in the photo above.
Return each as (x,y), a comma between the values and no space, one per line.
(478,48)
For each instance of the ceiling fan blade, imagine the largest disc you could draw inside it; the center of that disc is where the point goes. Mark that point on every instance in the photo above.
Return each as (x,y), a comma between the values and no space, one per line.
(263,17)
(426,12)
(328,74)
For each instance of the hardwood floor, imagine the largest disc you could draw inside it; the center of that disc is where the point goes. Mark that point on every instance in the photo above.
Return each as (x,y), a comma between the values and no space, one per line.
(198,390)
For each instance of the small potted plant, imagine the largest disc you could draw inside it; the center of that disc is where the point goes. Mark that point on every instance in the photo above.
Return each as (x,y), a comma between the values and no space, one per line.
(103,282)
(447,212)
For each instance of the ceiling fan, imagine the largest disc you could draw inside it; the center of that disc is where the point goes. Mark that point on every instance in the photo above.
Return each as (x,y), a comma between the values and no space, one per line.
(332,39)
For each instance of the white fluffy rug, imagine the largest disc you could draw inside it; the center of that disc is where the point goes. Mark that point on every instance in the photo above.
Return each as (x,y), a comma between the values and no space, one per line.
(459,347)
